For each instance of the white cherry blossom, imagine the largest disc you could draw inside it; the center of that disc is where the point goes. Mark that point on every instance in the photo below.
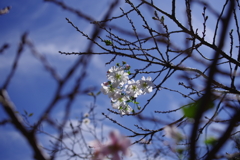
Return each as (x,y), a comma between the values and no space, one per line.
(110,91)
(120,101)
(123,91)
(146,84)
(117,76)
(125,109)
(133,88)
(86,121)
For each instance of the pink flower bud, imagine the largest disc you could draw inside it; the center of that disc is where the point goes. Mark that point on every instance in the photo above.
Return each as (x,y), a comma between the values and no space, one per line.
(127,67)
(105,83)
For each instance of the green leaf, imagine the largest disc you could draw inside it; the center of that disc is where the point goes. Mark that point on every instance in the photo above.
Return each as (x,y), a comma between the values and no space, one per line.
(210,141)
(180,150)
(26,113)
(91,94)
(98,93)
(162,19)
(108,42)
(190,110)
(136,102)
(30,115)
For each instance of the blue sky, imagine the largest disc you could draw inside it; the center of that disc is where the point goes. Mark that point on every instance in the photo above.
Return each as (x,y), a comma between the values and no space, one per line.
(32,88)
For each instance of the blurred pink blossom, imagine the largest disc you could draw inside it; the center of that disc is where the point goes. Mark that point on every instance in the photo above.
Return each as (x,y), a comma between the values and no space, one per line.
(117,143)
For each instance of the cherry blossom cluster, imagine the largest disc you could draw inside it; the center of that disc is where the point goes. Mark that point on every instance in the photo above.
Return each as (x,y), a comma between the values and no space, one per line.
(117,143)
(122,90)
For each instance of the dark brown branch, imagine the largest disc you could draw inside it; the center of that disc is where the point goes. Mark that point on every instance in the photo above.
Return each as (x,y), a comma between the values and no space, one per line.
(8,106)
